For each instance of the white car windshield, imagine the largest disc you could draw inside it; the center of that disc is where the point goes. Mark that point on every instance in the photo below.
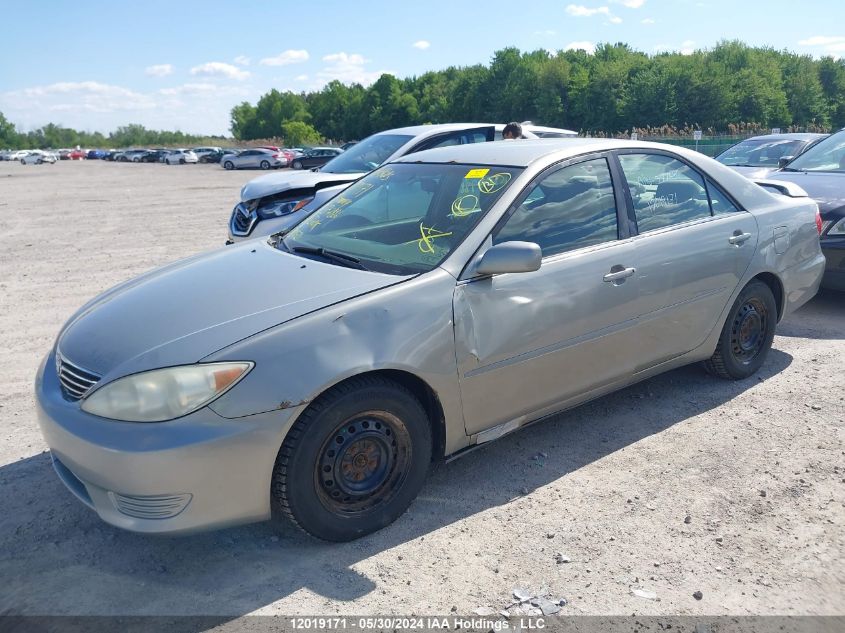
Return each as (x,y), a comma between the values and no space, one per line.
(828,155)
(401,219)
(366,155)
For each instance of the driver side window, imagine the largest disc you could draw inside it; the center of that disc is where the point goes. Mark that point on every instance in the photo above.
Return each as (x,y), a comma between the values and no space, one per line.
(570,208)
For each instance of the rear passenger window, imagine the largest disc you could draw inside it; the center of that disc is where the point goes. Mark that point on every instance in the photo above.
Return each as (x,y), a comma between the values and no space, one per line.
(570,208)
(665,191)
(719,202)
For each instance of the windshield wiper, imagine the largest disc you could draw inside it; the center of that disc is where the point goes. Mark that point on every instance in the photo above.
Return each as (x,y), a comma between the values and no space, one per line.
(333,256)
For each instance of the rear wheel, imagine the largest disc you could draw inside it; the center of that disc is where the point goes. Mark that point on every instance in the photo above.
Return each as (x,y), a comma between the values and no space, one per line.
(296,165)
(747,335)
(181,161)
(354,460)
(228,165)
(265,164)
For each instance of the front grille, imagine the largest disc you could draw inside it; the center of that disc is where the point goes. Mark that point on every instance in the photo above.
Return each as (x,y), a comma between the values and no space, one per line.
(152,506)
(76,382)
(242,220)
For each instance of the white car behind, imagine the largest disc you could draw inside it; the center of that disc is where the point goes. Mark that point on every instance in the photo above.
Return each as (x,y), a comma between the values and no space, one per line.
(181,157)
(37,157)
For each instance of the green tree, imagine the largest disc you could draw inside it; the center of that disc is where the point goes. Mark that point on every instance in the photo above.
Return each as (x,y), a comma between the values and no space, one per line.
(300,133)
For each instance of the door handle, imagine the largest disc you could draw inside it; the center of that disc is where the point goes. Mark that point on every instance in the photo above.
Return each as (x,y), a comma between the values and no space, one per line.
(616,275)
(739,238)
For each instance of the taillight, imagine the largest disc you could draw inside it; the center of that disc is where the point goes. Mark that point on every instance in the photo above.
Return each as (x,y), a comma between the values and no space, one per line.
(818,222)
(275,155)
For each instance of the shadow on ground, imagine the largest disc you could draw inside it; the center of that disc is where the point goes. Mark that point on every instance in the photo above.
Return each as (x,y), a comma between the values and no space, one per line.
(59,558)
(821,318)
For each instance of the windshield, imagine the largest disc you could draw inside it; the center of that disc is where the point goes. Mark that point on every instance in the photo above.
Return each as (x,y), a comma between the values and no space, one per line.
(828,155)
(403,218)
(760,152)
(366,155)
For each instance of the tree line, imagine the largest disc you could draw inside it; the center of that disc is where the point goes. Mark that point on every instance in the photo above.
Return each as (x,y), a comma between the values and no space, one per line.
(612,90)
(52,136)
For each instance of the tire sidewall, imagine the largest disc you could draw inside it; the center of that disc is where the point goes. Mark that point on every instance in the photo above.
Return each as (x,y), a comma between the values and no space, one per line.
(228,165)
(297,165)
(303,498)
(735,367)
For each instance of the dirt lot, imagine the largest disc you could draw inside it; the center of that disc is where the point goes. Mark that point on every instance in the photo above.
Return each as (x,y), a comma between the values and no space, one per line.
(757,466)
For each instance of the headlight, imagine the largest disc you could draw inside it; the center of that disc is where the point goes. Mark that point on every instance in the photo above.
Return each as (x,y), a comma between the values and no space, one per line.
(164,394)
(838,228)
(278,209)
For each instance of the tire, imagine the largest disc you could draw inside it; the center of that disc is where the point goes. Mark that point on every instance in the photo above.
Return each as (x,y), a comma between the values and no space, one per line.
(340,494)
(296,165)
(39,162)
(265,164)
(747,335)
(228,165)
(136,160)
(181,161)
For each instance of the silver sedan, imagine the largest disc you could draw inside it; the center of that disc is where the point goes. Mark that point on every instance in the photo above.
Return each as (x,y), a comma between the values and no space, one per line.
(438,303)
(254,159)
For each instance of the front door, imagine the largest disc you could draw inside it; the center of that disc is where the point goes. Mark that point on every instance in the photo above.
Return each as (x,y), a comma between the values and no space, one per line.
(527,341)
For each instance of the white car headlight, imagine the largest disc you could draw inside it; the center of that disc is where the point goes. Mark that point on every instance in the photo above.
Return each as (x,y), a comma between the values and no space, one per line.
(838,228)
(278,209)
(164,394)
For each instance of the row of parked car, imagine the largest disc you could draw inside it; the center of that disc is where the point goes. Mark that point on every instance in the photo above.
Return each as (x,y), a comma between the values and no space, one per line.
(424,292)
(266,157)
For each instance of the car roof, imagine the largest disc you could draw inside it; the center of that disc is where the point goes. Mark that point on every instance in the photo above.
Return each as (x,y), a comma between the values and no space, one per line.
(789,136)
(520,153)
(418,130)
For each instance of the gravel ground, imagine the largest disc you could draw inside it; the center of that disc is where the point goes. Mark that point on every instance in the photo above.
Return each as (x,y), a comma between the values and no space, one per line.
(680,484)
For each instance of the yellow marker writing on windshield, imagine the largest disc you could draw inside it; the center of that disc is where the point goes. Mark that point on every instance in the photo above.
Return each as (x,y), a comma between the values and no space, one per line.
(428,234)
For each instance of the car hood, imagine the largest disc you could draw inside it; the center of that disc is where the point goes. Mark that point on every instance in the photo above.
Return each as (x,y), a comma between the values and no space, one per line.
(183,312)
(826,188)
(276,183)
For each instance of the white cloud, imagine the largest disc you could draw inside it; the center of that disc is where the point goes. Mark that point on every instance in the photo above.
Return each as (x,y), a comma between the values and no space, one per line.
(348,68)
(197,108)
(219,69)
(242,60)
(301,78)
(687,47)
(580,11)
(189,88)
(583,46)
(615,19)
(829,44)
(159,70)
(821,40)
(286,58)
(421,44)
(631,4)
(546,33)
(647,21)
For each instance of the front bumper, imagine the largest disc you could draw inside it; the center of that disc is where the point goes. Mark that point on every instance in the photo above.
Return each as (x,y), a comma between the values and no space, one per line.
(834,272)
(199,472)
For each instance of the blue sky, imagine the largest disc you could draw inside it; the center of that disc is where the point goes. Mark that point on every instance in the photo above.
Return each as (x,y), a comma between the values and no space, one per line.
(182,64)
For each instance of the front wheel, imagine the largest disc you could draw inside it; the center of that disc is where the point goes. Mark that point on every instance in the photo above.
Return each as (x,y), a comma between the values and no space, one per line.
(747,335)
(228,165)
(296,165)
(354,460)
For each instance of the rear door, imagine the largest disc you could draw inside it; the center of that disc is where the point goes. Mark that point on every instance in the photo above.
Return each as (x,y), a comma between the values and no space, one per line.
(693,244)
(527,341)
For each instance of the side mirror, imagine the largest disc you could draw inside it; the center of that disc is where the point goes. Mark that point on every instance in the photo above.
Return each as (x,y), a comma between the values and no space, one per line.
(783,161)
(510,257)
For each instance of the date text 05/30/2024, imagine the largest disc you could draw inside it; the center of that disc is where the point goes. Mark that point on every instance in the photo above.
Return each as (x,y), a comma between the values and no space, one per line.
(451,623)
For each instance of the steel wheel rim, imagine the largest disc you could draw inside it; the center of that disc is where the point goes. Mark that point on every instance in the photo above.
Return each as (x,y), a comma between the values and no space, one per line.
(748,330)
(363,463)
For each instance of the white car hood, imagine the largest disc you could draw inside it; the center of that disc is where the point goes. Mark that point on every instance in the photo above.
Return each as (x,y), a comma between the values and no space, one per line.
(282,181)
